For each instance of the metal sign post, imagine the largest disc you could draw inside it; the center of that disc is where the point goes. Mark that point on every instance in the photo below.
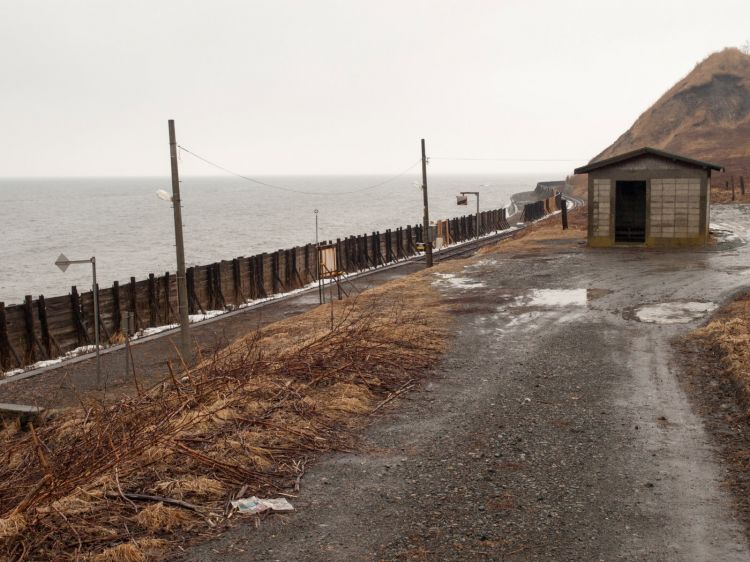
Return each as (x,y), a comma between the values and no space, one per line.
(63,263)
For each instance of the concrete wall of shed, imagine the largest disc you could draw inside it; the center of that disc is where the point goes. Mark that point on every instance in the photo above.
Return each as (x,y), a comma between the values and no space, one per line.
(602,204)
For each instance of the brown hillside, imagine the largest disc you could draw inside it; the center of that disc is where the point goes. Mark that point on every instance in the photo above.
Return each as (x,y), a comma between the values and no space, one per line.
(706,115)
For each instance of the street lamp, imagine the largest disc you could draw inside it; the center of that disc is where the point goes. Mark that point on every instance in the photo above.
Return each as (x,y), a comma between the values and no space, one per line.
(63,263)
(462,200)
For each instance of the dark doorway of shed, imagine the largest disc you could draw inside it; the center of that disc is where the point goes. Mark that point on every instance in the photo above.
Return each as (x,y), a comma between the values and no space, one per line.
(630,211)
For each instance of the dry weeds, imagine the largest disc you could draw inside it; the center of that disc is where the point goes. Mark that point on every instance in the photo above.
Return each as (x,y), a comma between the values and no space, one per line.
(727,338)
(245,422)
(721,195)
(537,236)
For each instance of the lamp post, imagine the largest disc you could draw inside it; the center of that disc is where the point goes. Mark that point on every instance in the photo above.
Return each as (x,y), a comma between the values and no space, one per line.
(463,202)
(63,263)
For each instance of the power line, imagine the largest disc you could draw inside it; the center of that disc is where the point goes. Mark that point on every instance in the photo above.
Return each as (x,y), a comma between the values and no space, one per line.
(512,159)
(290,189)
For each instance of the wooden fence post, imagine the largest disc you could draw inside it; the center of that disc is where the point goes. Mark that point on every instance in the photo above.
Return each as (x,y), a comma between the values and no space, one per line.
(116,310)
(220,302)
(153,306)
(239,297)
(28,355)
(75,306)
(168,310)
(44,325)
(6,349)
(134,305)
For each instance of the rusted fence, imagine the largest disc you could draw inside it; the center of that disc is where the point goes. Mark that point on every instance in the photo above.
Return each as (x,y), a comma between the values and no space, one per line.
(46,328)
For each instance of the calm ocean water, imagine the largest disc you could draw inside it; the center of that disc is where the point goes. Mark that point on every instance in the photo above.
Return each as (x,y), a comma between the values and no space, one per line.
(130,230)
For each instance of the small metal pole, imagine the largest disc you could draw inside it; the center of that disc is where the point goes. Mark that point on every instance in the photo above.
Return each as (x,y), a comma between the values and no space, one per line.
(426,219)
(95,291)
(479,223)
(317,259)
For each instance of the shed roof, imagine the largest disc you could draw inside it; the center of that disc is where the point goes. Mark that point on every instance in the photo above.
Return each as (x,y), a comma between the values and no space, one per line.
(642,152)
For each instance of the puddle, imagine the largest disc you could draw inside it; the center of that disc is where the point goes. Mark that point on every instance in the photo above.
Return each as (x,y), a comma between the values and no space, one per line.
(729,233)
(456,282)
(557,297)
(673,312)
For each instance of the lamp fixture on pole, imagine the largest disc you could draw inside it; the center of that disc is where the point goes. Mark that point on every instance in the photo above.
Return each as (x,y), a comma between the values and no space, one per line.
(63,263)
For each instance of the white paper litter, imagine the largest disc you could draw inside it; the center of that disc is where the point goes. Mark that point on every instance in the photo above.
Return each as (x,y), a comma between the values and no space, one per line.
(255,505)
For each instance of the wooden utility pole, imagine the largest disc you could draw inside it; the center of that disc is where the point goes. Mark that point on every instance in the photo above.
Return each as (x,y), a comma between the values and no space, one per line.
(733,194)
(182,295)
(564,212)
(426,220)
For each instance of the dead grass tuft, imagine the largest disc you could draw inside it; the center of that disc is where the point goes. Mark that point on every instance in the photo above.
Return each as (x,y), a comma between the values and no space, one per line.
(136,551)
(12,526)
(161,518)
(727,337)
(197,486)
(722,195)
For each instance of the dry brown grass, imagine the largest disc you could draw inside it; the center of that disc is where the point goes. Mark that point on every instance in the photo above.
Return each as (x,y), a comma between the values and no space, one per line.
(158,517)
(536,237)
(246,420)
(135,551)
(727,338)
(721,195)
(12,526)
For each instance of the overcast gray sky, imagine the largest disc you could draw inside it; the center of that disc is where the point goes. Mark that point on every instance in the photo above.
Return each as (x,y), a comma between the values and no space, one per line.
(323,86)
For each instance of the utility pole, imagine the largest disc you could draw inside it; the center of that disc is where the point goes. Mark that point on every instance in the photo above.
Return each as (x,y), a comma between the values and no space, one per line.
(426,221)
(182,295)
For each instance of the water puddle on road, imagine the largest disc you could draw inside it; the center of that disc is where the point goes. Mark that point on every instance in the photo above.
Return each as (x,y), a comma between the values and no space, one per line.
(557,297)
(673,312)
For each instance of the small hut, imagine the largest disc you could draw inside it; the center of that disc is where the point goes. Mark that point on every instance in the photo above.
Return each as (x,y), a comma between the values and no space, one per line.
(648,197)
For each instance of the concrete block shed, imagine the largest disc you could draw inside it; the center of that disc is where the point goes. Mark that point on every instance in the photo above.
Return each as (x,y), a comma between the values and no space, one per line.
(648,197)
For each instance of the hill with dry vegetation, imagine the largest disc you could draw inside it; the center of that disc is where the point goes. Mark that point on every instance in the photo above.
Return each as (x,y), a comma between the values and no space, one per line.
(706,115)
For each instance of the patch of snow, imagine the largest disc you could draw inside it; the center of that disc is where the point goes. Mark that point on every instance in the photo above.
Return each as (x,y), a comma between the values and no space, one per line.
(82,350)
(673,312)
(155,330)
(205,316)
(456,282)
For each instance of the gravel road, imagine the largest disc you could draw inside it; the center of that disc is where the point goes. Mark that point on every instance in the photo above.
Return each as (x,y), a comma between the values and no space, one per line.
(553,429)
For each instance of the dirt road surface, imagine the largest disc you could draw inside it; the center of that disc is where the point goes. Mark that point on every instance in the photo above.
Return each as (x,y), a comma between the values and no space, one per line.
(554,429)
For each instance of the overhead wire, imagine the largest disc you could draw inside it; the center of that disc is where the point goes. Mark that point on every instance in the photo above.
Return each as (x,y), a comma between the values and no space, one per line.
(512,159)
(293,190)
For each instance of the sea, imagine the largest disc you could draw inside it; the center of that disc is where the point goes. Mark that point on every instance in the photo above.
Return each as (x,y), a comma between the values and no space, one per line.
(130,231)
